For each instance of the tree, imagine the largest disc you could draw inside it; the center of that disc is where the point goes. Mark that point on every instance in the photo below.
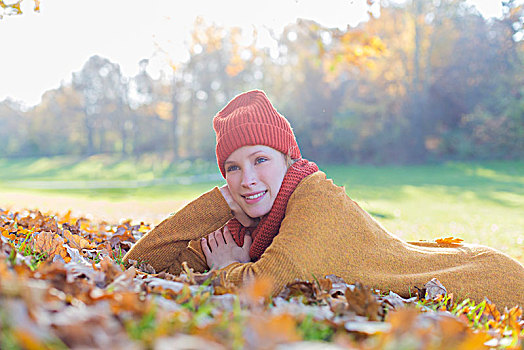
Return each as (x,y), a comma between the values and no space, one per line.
(13,130)
(104,92)
(13,8)
(219,67)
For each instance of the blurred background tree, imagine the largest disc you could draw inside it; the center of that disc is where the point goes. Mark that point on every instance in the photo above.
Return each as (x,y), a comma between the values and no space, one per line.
(424,81)
(13,7)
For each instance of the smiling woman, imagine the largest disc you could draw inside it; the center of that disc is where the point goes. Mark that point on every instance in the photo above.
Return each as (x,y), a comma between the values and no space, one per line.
(279,217)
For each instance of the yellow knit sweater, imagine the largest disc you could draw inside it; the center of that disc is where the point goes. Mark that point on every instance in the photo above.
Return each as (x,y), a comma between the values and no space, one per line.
(325,232)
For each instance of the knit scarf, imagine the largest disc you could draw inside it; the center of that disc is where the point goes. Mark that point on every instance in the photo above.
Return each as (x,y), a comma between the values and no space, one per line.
(269,224)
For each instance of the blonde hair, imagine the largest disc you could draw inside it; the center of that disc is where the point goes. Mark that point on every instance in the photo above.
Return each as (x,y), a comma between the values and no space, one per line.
(289,161)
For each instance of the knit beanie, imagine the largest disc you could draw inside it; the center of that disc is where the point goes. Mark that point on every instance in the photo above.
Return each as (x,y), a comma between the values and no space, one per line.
(251,119)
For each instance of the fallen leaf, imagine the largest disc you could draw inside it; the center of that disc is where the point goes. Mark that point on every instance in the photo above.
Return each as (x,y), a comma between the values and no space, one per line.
(50,244)
(338,285)
(124,281)
(449,242)
(395,301)
(271,330)
(362,302)
(156,283)
(111,270)
(434,288)
(76,241)
(305,289)
(258,289)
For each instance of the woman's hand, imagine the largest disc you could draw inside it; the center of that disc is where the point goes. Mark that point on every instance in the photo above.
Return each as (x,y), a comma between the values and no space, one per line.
(221,250)
(240,215)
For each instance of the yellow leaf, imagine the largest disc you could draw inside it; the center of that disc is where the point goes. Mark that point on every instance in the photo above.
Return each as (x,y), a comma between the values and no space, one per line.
(77,241)
(84,225)
(259,289)
(449,242)
(27,340)
(66,219)
(275,329)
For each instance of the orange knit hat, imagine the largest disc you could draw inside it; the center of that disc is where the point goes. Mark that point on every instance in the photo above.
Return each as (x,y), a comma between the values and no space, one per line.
(251,119)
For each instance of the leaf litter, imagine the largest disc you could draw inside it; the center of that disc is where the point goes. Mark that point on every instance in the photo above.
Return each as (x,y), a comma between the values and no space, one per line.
(63,284)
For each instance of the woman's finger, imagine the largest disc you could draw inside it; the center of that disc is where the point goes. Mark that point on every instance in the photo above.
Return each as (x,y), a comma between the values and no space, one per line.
(228,237)
(220,237)
(212,240)
(205,248)
(247,241)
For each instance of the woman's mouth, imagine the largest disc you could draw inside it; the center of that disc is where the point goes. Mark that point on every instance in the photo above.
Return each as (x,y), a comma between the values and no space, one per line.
(254,197)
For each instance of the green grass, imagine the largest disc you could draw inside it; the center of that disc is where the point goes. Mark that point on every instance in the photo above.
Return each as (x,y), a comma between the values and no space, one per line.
(100,167)
(146,177)
(478,202)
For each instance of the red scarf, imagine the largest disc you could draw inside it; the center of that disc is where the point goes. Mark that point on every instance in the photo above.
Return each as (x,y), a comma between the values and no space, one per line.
(269,225)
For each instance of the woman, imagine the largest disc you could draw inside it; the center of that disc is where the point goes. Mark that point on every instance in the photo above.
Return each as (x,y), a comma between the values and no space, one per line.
(279,217)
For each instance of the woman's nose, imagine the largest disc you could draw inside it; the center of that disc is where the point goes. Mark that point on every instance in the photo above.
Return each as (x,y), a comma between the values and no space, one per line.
(248,178)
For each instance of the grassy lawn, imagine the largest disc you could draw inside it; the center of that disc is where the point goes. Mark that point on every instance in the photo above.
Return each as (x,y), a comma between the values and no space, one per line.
(479,202)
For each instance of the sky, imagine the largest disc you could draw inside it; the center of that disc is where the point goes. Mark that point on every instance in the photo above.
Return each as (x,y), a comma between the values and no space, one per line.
(39,51)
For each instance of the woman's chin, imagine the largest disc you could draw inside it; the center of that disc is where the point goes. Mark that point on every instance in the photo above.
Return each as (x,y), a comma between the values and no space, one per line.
(257,212)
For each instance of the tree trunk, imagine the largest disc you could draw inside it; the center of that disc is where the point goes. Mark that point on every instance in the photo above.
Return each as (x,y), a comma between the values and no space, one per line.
(174,121)
(88,124)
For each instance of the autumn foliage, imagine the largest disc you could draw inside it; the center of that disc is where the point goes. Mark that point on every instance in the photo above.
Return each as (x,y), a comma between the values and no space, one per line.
(63,284)
(424,81)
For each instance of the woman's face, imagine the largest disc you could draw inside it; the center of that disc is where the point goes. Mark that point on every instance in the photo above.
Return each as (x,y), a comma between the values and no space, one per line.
(254,175)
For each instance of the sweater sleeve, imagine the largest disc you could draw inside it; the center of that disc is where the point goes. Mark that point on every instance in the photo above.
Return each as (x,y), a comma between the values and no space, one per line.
(176,239)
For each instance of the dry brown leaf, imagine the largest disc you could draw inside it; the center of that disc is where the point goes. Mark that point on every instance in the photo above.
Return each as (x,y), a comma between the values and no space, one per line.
(35,220)
(50,244)
(338,285)
(395,301)
(76,241)
(434,288)
(300,288)
(362,302)
(110,269)
(325,284)
(121,235)
(74,229)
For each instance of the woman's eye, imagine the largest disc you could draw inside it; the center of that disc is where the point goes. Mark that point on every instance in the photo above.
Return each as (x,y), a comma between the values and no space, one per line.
(231,168)
(260,160)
